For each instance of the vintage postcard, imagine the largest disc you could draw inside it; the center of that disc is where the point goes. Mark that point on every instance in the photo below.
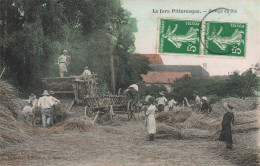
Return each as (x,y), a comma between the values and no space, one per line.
(129,82)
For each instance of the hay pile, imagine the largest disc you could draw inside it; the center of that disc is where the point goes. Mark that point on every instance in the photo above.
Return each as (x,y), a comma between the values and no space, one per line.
(9,113)
(241,105)
(78,124)
(174,117)
(196,125)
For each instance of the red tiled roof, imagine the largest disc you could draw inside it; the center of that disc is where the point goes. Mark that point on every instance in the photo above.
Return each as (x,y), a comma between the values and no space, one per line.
(153,58)
(162,77)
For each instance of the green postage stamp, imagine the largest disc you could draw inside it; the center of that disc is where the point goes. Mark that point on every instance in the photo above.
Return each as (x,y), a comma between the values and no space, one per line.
(179,36)
(184,37)
(222,38)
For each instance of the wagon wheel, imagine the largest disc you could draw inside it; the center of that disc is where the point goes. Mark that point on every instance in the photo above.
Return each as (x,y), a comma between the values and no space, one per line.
(130,109)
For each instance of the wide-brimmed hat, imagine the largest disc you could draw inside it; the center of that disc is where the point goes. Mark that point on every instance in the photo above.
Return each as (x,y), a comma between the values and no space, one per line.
(45,93)
(204,98)
(196,92)
(65,51)
(228,106)
(86,67)
(161,93)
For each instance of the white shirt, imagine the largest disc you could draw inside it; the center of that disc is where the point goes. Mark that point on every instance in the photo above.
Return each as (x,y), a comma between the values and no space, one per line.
(197,100)
(151,110)
(45,102)
(161,100)
(54,100)
(171,103)
(147,98)
(135,87)
(63,59)
(86,73)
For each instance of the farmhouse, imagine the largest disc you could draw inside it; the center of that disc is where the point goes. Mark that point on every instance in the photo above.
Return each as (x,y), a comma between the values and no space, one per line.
(165,75)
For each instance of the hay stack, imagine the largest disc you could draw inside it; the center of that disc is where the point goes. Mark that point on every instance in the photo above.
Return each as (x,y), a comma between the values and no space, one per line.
(78,124)
(173,117)
(167,132)
(248,104)
(9,106)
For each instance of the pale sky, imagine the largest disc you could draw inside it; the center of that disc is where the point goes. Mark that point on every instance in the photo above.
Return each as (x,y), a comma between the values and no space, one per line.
(248,11)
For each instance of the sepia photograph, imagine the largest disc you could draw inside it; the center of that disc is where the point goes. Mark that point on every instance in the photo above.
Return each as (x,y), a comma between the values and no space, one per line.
(129,83)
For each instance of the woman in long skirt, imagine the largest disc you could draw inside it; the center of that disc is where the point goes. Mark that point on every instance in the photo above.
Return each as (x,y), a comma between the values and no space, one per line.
(226,132)
(150,119)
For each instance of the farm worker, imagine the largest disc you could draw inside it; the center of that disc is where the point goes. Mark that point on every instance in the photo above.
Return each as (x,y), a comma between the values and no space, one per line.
(132,91)
(86,72)
(135,87)
(171,104)
(150,119)
(32,101)
(63,63)
(46,103)
(228,118)
(205,108)
(161,101)
(147,98)
(32,98)
(197,104)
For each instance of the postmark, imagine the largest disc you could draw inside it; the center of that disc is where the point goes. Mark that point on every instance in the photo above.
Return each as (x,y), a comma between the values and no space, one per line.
(179,36)
(225,38)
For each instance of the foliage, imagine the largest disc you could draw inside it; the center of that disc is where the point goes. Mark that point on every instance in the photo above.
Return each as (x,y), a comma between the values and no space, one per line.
(152,90)
(35,32)
(243,85)
(237,85)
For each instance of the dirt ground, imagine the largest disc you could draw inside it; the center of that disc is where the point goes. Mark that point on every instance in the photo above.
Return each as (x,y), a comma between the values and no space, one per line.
(124,143)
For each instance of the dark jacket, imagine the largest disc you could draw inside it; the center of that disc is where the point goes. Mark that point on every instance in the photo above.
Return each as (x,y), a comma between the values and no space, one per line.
(226,133)
(206,108)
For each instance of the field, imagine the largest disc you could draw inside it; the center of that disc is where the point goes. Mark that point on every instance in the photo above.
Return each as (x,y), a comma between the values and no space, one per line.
(185,141)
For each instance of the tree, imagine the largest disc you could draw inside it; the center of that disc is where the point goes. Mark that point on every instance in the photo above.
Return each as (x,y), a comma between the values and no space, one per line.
(245,84)
(34,33)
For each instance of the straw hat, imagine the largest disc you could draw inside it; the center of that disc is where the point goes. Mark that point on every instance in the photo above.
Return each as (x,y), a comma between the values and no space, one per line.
(204,98)
(45,93)
(228,106)
(65,51)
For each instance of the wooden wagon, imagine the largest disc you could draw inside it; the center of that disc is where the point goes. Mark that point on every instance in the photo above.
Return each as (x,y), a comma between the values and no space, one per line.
(77,86)
(110,104)
(85,92)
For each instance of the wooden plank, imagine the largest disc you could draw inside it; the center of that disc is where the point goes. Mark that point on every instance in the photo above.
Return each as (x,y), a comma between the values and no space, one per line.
(96,117)
(71,105)
(63,92)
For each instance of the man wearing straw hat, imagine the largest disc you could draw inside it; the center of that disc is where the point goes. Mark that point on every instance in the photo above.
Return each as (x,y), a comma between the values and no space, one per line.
(46,103)
(226,132)
(86,72)
(63,63)
(161,101)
